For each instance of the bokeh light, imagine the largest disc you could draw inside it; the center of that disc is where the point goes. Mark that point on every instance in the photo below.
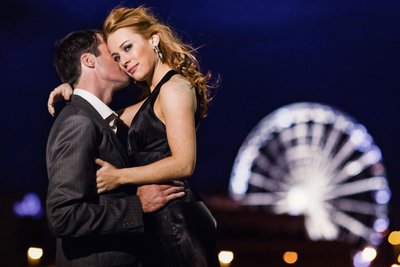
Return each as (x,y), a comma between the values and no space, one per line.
(290,257)
(225,257)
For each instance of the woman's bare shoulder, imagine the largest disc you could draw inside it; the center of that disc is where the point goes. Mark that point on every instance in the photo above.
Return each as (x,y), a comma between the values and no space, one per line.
(176,84)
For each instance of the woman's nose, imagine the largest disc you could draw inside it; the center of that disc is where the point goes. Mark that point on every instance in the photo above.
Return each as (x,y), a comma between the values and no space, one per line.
(125,60)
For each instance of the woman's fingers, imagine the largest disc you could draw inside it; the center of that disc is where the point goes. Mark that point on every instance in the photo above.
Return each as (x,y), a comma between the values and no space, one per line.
(62,91)
(100,162)
(67,92)
(50,103)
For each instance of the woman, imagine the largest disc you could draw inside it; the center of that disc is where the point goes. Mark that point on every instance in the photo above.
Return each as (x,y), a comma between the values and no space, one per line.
(162,133)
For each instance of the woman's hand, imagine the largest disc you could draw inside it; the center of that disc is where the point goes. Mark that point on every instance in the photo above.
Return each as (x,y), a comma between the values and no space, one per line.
(106,178)
(63,91)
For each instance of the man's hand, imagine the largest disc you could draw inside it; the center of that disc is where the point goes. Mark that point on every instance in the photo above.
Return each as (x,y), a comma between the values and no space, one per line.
(155,196)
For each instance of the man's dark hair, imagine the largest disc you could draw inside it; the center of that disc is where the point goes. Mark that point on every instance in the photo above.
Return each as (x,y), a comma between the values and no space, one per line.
(69,51)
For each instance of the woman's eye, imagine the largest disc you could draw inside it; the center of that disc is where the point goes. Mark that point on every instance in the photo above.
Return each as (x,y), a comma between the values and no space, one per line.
(127,47)
(117,58)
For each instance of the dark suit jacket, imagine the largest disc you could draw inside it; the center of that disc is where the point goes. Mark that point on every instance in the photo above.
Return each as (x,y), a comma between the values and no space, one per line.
(91,229)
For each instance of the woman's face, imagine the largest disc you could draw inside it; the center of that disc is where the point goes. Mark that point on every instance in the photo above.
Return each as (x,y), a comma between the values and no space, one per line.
(134,54)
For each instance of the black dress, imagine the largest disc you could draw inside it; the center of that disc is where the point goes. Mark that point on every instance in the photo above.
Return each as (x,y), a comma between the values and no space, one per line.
(183,233)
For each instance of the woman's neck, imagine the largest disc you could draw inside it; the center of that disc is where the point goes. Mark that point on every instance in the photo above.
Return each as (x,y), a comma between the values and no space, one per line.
(159,72)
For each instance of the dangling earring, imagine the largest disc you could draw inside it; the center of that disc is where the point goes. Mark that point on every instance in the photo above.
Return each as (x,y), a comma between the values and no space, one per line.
(158,52)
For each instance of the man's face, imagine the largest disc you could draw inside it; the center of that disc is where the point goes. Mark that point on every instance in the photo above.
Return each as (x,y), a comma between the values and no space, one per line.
(109,70)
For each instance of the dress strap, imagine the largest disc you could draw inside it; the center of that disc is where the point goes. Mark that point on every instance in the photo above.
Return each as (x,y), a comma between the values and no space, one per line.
(164,79)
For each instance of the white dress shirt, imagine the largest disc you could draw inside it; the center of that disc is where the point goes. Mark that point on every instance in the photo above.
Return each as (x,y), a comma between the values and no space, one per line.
(105,112)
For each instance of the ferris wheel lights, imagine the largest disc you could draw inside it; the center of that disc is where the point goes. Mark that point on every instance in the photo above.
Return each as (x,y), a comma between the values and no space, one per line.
(342,123)
(354,168)
(365,257)
(357,137)
(375,239)
(285,118)
(383,196)
(378,169)
(239,184)
(360,138)
(381,225)
(373,156)
(311,159)
(369,253)
(297,200)
(394,238)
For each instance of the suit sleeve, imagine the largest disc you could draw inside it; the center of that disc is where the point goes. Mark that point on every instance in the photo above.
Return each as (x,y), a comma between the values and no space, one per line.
(73,206)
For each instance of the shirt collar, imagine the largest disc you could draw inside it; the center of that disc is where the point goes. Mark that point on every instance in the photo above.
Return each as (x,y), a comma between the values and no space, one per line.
(99,105)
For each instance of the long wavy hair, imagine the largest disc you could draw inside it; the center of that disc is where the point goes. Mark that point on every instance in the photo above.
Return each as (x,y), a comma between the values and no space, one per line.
(178,55)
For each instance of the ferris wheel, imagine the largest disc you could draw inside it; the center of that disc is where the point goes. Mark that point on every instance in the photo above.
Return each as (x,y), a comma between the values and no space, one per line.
(313,160)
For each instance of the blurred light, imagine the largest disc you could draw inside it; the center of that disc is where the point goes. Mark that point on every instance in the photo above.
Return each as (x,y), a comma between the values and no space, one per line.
(297,161)
(354,168)
(375,238)
(297,200)
(359,260)
(381,224)
(369,254)
(377,169)
(285,118)
(358,136)
(225,257)
(395,265)
(398,258)
(35,253)
(383,196)
(290,257)
(374,155)
(29,206)
(365,257)
(394,238)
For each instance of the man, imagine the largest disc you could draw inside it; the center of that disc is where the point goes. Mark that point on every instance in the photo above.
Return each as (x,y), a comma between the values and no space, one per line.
(91,229)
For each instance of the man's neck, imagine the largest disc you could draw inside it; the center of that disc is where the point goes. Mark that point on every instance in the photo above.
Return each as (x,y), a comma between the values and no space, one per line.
(103,94)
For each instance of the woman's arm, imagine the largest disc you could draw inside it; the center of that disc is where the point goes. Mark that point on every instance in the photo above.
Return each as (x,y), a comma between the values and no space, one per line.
(64,91)
(175,106)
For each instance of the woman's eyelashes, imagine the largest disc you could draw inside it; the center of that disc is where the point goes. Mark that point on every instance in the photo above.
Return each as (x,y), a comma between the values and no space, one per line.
(117,58)
(127,47)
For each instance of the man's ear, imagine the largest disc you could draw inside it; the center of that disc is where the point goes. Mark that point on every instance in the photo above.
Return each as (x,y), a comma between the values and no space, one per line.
(88,60)
(155,39)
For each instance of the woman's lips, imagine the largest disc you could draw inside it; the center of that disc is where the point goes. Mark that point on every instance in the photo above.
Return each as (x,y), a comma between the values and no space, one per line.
(133,69)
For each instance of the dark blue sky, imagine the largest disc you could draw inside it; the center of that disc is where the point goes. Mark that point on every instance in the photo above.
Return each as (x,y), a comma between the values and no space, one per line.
(267,53)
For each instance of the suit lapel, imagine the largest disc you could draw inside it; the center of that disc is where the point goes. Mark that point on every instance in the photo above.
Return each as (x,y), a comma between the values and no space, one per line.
(117,144)
(84,105)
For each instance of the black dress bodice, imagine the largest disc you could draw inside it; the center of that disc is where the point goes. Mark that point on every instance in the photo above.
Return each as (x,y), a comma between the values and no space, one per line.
(183,231)
(147,137)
